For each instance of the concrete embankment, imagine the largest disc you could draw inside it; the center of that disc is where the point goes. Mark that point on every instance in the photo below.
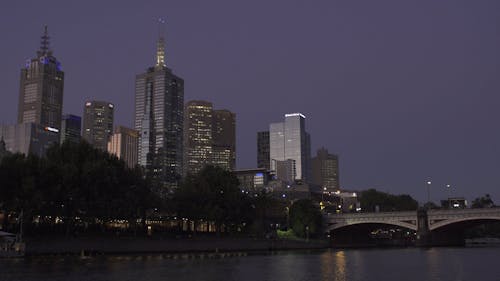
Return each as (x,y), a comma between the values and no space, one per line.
(134,245)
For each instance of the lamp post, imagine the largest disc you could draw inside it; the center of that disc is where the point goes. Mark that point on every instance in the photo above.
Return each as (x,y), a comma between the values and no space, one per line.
(429,191)
(448,187)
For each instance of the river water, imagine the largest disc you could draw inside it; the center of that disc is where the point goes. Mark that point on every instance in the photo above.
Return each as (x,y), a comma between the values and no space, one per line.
(474,264)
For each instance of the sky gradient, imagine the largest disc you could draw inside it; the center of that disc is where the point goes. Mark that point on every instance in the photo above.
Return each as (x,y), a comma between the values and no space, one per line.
(404,91)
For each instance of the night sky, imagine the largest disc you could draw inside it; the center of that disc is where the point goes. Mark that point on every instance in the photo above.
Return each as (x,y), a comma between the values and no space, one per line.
(404,91)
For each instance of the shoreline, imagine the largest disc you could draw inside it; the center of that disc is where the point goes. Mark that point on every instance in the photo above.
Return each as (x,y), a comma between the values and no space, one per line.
(141,245)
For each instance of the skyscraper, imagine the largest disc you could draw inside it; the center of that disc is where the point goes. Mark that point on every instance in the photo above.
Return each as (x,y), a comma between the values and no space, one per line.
(71,128)
(98,123)
(41,89)
(325,170)
(198,137)
(263,160)
(209,137)
(159,109)
(123,143)
(224,139)
(288,140)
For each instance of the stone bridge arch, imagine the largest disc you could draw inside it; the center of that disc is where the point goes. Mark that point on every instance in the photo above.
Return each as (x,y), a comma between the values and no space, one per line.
(406,220)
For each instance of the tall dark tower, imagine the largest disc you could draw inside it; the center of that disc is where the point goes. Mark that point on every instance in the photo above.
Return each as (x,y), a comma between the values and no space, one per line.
(41,89)
(98,123)
(159,111)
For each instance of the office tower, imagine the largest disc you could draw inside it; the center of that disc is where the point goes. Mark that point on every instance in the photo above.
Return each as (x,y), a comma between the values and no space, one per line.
(288,140)
(159,108)
(28,138)
(71,128)
(41,89)
(224,139)
(124,143)
(98,123)
(209,137)
(263,150)
(198,137)
(325,170)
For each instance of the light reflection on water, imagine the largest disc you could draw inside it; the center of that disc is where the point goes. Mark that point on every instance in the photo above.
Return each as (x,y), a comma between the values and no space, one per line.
(443,264)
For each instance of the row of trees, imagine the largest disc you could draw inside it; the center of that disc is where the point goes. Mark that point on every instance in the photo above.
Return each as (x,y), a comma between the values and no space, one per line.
(78,183)
(372,200)
(73,180)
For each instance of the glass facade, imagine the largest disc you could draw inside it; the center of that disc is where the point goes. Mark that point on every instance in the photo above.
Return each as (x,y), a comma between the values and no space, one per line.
(263,150)
(159,112)
(289,141)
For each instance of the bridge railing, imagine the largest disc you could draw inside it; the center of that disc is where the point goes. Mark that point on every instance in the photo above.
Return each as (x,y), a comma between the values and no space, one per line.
(370,215)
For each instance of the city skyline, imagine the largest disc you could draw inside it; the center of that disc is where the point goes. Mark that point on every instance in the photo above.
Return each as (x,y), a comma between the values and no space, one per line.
(400,104)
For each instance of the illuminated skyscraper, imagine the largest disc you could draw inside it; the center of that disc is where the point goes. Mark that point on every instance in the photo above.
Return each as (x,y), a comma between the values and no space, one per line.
(289,143)
(159,111)
(198,137)
(98,123)
(209,137)
(41,89)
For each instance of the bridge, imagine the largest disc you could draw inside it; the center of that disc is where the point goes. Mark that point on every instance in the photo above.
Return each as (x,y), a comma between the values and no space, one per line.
(431,226)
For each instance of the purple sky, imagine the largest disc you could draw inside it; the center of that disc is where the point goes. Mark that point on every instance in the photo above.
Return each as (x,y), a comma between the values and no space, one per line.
(403,91)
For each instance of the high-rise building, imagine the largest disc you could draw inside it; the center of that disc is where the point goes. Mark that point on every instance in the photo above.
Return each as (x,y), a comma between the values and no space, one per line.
(41,89)
(209,137)
(98,123)
(28,138)
(159,109)
(198,137)
(224,139)
(71,128)
(124,143)
(263,160)
(289,140)
(325,170)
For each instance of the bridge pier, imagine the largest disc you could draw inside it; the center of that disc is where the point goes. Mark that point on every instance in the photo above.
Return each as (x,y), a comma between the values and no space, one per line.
(423,232)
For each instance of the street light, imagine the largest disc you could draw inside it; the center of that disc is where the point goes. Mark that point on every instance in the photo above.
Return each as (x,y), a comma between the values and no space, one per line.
(429,191)
(448,187)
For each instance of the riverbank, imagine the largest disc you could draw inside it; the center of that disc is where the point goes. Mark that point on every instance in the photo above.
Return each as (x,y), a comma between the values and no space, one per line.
(143,245)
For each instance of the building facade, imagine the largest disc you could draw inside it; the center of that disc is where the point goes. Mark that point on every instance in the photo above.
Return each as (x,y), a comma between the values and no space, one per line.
(159,112)
(325,170)
(198,135)
(224,139)
(41,88)
(209,137)
(28,138)
(71,128)
(124,143)
(289,141)
(263,159)
(98,123)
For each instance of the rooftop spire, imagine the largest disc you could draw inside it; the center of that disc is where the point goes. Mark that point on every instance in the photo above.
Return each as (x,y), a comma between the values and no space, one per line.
(160,45)
(45,44)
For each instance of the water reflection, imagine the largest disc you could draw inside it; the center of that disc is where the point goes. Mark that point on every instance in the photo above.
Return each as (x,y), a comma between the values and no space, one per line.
(340,272)
(443,264)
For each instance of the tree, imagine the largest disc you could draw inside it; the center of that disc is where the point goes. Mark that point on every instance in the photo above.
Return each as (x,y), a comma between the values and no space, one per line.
(213,195)
(305,218)
(483,202)
(371,198)
(73,180)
